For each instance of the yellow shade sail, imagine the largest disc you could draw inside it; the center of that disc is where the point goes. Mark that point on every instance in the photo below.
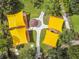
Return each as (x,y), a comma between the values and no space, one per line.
(56,23)
(16,20)
(51,38)
(18,34)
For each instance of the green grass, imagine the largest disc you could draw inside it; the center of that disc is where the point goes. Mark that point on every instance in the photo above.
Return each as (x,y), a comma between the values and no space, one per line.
(75,22)
(34,12)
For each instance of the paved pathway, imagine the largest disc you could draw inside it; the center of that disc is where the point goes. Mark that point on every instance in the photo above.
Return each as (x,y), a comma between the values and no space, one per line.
(38,30)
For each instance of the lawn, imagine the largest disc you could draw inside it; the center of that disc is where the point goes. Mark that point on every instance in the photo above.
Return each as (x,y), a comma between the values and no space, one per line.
(35,12)
(28,7)
(75,22)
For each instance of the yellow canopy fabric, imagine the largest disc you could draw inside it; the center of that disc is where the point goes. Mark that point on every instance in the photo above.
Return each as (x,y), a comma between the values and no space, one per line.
(56,23)
(51,38)
(18,34)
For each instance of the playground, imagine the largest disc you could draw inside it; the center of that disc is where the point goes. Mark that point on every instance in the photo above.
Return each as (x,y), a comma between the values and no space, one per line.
(39,29)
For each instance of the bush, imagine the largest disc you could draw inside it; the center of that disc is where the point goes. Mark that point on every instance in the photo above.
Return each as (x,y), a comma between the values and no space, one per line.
(28,52)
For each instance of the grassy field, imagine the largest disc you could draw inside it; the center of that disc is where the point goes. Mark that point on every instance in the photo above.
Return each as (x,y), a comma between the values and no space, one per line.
(34,12)
(75,22)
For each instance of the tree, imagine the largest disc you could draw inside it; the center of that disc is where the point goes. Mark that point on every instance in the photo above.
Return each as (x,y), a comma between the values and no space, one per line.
(10,6)
(74,6)
(37,3)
